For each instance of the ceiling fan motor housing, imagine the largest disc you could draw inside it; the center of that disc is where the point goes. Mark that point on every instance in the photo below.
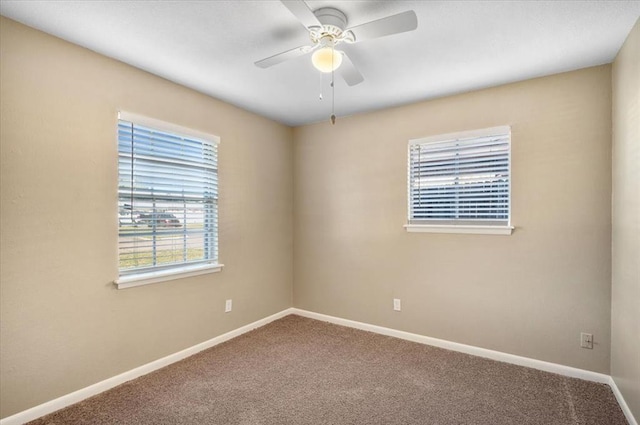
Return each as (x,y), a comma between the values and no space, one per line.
(333,23)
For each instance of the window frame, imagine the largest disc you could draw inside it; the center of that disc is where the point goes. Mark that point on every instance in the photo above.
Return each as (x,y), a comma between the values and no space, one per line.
(470,226)
(133,277)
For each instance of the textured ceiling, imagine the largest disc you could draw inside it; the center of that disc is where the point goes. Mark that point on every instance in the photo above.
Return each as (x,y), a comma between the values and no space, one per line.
(459,46)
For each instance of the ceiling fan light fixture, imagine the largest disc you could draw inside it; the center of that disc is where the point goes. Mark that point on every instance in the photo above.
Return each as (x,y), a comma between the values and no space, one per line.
(326,59)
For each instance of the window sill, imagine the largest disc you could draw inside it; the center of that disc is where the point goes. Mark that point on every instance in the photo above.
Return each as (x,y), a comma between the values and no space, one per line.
(469,229)
(130,281)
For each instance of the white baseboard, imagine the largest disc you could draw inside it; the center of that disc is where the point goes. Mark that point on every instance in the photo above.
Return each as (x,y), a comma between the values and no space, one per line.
(621,401)
(481,352)
(463,348)
(84,393)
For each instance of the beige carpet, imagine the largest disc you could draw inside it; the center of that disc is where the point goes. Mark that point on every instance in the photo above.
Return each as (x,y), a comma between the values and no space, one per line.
(302,371)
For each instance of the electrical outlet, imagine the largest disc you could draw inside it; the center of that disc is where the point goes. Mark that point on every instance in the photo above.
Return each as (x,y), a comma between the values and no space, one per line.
(396,304)
(586,340)
(228,305)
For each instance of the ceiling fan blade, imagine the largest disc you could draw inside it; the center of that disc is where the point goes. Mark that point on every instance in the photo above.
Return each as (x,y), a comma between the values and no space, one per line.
(394,24)
(301,11)
(284,56)
(349,72)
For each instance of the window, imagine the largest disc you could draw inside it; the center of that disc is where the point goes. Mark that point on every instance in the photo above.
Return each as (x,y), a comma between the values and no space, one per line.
(459,183)
(167,201)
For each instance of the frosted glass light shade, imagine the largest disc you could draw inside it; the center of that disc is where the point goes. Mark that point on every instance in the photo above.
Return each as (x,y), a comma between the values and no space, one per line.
(326,59)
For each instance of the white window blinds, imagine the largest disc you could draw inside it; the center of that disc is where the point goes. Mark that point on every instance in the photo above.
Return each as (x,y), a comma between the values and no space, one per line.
(167,197)
(461,178)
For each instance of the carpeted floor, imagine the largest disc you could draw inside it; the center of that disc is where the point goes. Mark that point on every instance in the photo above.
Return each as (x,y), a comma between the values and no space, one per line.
(302,371)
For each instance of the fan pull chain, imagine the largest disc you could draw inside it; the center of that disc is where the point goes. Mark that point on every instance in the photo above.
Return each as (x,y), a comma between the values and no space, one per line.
(333,102)
(333,91)
(320,97)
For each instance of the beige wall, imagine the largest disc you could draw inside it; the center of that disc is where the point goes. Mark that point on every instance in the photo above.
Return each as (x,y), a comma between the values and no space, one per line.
(530,293)
(63,324)
(625,306)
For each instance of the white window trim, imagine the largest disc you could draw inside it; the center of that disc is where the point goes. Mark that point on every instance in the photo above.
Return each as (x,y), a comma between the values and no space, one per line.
(146,278)
(491,131)
(139,279)
(465,228)
(458,228)
(169,127)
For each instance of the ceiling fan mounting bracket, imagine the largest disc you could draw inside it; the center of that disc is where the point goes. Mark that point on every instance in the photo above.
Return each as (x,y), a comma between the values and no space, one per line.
(329,16)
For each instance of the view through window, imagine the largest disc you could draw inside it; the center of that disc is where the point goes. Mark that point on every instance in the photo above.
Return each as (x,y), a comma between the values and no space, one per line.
(461,179)
(167,198)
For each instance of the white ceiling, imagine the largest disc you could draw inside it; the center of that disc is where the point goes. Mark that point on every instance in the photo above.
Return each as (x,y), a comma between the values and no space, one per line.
(459,46)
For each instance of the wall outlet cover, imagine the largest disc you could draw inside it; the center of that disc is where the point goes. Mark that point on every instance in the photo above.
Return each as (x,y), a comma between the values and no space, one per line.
(397,306)
(586,340)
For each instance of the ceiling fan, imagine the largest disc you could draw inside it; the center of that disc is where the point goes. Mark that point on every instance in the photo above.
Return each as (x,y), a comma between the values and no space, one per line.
(327,28)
